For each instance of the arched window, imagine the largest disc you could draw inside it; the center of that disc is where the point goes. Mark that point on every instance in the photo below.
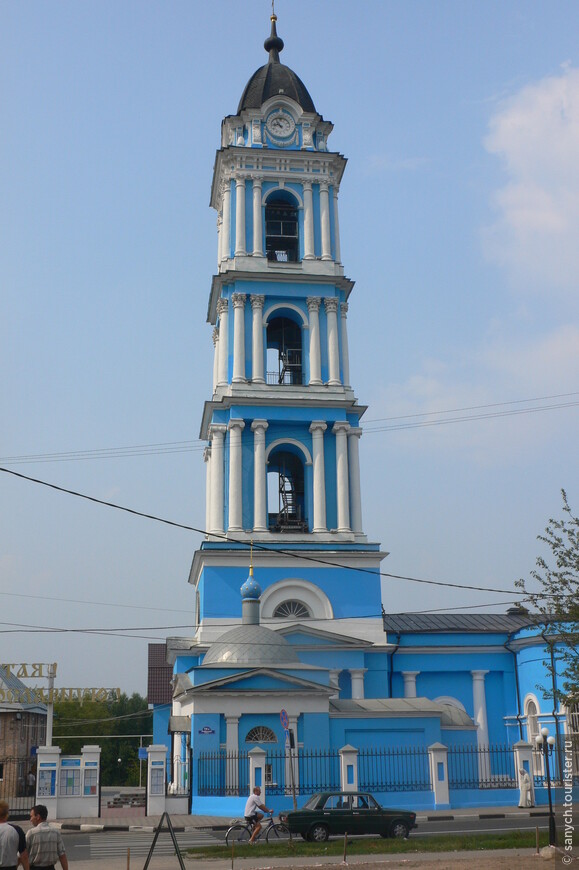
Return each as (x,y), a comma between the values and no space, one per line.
(286,494)
(281,228)
(284,352)
(291,609)
(261,734)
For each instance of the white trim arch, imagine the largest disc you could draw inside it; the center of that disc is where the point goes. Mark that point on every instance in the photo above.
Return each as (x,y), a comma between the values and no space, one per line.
(276,306)
(306,453)
(283,100)
(281,188)
(312,596)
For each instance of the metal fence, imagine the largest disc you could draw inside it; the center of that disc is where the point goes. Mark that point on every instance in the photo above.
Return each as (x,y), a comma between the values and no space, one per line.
(14,786)
(482,767)
(403,769)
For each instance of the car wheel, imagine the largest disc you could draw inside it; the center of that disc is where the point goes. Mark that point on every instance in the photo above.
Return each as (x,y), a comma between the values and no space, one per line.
(318,834)
(399,829)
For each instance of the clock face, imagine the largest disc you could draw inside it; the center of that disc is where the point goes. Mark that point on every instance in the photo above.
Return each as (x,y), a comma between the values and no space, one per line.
(280,125)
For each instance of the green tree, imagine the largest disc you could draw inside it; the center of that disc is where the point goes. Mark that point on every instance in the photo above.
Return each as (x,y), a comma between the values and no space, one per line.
(557,601)
(109,725)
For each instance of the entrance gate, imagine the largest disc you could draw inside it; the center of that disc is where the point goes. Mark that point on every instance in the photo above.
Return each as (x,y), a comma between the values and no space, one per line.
(14,788)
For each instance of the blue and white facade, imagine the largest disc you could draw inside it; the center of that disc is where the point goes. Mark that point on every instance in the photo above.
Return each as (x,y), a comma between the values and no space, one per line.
(283,432)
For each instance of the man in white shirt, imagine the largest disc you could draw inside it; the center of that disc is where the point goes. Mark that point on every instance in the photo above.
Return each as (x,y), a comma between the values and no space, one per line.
(12,851)
(252,814)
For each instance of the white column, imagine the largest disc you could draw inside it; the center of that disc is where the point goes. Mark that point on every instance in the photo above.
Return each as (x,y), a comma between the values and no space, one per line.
(238,300)
(345,350)
(335,681)
(325,221)
(232,749)
(235,523)
(217,434)
(207,459)
(410,683)
(219,238)
(257,219)
(340,430)
(480,717)
(331,306)
(315,352)
(215,357)
(257,365)
(259,478)
(309,250)
(317,428)
(240,249)
(337,229)
(223,312)
(354,435)
(357,675)
(226,222)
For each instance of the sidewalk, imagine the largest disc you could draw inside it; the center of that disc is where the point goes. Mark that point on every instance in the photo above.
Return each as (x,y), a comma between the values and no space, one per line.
(188,823)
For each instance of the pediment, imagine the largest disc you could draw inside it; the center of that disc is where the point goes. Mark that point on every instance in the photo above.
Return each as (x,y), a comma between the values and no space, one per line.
(300,634)
(263,680)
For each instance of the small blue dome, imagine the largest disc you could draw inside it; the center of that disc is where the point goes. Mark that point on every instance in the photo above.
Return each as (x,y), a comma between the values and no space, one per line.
(250,589)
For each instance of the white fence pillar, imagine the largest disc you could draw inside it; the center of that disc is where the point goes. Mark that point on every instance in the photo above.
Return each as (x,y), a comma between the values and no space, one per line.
(438,755)
(257,770)
(349,768)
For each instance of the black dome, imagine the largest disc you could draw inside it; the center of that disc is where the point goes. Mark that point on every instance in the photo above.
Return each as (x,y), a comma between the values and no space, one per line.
(273,79)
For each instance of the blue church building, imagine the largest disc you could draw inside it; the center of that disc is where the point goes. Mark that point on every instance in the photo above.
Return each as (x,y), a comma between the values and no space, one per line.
(295,677)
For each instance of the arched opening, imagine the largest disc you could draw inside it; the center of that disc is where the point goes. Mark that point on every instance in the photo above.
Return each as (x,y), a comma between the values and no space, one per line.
(291,609)
(532,714)
(286,493)
(281,228)
(284,352)
(261,734)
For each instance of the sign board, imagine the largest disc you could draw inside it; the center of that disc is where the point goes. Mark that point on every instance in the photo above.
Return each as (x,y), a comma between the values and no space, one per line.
(206,730)
(284,719)
(142,753)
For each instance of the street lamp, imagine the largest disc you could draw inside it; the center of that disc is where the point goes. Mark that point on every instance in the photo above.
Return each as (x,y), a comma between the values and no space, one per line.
(545,744)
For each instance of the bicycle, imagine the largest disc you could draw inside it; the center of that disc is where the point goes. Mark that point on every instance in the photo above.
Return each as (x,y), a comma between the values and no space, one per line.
(274,832)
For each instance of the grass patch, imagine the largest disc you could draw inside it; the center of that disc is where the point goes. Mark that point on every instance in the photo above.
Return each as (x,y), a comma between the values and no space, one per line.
(366,846)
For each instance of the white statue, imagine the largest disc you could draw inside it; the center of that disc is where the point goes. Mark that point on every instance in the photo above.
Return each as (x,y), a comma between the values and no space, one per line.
(526,795)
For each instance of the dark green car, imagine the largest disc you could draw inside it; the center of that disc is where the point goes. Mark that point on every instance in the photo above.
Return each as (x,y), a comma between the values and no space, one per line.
(347,812)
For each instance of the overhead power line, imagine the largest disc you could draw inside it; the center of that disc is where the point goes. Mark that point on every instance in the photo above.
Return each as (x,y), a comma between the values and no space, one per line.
(370,428)
(257,546)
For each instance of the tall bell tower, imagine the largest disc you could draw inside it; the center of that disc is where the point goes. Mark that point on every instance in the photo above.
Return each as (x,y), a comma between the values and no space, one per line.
(283,424)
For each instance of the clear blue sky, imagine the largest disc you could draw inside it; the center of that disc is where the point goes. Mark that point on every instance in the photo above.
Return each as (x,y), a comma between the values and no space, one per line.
(459,221)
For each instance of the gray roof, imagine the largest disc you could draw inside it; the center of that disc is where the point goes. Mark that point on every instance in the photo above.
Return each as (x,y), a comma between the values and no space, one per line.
(400,623)
(449,715)
(251,645)
(274,78)
(11,683)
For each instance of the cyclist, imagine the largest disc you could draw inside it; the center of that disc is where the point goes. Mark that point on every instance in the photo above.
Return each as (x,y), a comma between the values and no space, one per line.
(252,814)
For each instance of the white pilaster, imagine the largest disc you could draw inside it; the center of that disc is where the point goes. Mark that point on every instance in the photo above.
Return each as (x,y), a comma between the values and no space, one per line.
(217,435)
(257,364)
(410,683)
(331,306)
(357,675)
(215,357)
(354,435)
(335,681)
(235,523)
(259,477)
(337,231)
(309,250)
(345,349)
(207,460)
(325,221)
(226,222)
(317,428)
(257,219)
(340,430)
(223,312)
(315,351)
(240,244)
(238,300)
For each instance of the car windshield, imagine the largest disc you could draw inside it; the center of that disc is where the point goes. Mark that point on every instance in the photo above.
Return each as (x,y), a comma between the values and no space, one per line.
(312,802)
